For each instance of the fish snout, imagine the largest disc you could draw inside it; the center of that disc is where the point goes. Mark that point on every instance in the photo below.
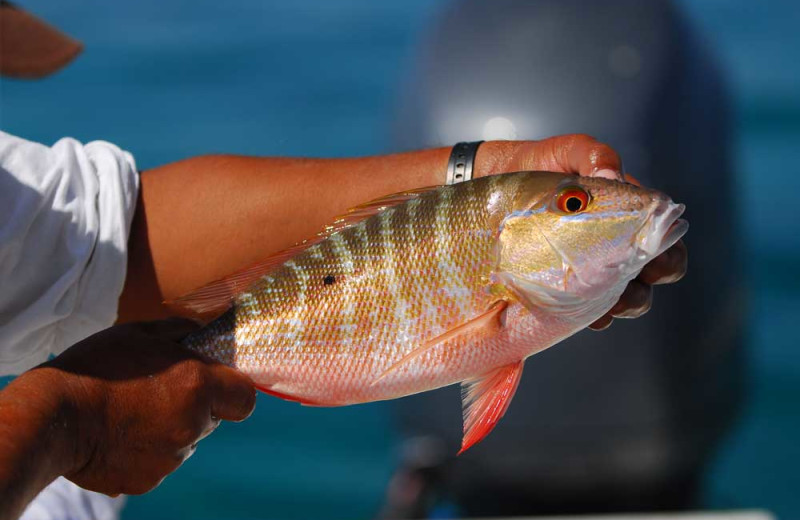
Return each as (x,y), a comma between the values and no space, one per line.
(665,227)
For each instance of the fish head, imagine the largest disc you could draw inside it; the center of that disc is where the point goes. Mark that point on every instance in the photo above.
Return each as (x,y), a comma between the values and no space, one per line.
(573,243)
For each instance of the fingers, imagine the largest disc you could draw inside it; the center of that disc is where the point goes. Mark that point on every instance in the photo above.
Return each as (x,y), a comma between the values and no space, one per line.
(669,267)
(233,396)
(183,454)
(635,301)
(586,156)
(632,180)
(574,153)
(602,323)
(212,425)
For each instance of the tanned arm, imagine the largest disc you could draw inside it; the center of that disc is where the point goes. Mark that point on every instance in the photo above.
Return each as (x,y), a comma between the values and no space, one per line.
(36,441)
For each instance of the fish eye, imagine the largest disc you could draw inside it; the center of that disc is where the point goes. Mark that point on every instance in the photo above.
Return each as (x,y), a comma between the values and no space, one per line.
(572,199)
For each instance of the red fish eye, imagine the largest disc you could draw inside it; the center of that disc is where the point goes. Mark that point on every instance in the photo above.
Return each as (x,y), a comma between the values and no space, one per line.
(572,200)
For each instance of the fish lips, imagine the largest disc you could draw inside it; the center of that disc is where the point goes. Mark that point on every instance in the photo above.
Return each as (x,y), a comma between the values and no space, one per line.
(664,229)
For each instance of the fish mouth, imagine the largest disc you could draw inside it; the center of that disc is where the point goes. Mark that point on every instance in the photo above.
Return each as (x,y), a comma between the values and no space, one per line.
(664,229)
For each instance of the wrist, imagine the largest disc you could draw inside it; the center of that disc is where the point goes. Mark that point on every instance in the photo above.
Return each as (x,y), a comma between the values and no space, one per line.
(51,412)
(37,438)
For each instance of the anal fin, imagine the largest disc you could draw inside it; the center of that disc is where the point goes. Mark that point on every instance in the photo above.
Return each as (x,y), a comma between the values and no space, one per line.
(485,401)
(219,295)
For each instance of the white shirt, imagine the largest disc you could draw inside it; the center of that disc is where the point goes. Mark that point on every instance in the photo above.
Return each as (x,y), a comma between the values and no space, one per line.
(65,217)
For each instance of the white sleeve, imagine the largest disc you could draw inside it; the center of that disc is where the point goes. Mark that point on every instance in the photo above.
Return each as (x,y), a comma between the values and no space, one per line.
(65,217)
(63,500)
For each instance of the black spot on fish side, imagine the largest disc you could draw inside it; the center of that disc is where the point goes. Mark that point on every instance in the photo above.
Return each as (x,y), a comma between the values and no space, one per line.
(329,279)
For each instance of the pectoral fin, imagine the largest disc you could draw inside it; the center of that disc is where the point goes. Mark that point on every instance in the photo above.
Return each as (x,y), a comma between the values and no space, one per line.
(485,401)
(486,324)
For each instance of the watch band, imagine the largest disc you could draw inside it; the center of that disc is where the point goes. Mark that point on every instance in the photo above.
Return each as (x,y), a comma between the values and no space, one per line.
(462,162)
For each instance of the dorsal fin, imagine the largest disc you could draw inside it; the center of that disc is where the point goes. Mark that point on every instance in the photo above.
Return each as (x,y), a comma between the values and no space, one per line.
(363,211)
(219,294)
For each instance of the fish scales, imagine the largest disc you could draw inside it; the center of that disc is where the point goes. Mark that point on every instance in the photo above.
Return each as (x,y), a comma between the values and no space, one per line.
(411,271)
(455,284)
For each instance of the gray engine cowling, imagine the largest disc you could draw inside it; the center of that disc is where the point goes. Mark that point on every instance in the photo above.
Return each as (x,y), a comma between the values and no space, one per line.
(626,418)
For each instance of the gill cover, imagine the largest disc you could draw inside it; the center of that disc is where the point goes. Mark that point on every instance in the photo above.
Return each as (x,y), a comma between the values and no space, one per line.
(571,244)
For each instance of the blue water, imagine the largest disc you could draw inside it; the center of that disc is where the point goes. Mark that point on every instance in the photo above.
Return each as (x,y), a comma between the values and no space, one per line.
(171,79)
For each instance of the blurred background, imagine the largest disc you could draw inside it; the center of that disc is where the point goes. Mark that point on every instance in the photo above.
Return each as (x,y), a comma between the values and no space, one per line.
(701,97)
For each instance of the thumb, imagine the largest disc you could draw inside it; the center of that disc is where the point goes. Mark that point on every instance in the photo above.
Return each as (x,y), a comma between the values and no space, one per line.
(233,394)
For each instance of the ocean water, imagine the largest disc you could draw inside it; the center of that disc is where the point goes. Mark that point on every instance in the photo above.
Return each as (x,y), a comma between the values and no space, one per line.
(172,79)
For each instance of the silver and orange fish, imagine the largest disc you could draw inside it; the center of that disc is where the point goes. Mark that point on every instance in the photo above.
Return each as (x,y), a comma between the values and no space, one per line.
(419,290)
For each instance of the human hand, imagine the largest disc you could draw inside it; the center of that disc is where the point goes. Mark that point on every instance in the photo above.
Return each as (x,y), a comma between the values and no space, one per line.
(141,402)
(583,155)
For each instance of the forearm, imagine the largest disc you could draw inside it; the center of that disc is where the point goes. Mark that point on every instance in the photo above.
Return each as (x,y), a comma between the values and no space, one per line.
(203,218)
(35,440)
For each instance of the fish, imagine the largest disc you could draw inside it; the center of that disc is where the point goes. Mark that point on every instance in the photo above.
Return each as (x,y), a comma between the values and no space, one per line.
(446,285)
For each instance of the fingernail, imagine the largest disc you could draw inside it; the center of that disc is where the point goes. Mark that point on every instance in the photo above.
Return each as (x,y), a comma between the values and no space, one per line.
(634,312)
(608,174)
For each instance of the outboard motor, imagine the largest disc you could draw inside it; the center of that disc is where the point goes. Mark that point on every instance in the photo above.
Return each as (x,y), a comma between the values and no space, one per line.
(628,418)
